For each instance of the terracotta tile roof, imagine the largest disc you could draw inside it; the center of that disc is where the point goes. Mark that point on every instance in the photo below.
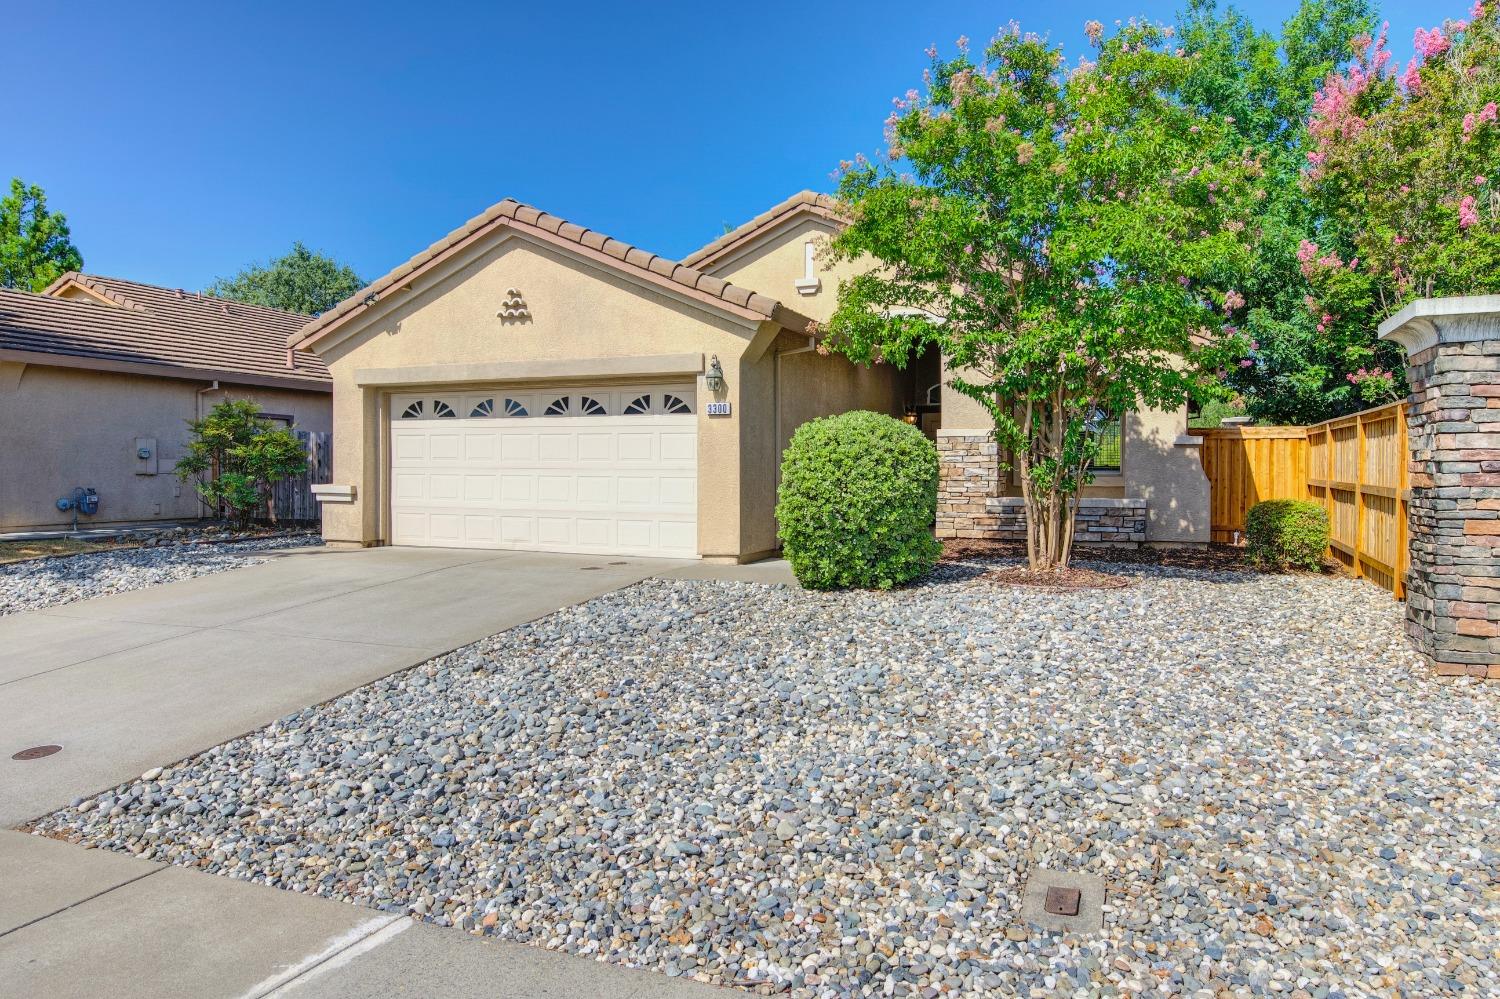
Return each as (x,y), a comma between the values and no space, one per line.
(822,205)
(163,328)
(512,214)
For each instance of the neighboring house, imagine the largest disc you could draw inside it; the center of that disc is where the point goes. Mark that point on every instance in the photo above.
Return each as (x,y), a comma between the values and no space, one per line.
(528,383)
(99,378)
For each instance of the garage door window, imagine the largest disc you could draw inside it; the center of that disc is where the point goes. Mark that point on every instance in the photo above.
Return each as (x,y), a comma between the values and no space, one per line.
(581,405)
(657,404)
(414,411)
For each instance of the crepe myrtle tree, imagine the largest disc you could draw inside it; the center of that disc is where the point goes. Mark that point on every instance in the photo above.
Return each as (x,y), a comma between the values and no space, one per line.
(1408,160)
(1068,237)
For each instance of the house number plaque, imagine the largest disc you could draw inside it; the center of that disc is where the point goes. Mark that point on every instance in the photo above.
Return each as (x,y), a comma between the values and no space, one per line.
(718,409)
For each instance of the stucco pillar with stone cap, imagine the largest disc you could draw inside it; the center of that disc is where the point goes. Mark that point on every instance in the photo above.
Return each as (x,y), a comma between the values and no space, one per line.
(1453,423)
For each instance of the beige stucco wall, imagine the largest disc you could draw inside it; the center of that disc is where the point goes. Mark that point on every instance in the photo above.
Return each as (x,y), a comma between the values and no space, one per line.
(61,428)
(802,384)
(582,313)
(1163,465)
(772,263)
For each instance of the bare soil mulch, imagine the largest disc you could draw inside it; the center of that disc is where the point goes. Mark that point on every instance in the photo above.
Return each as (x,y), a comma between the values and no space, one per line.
(1213,557)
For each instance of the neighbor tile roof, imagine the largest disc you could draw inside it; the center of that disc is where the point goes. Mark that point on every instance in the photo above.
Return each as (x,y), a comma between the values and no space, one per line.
(822,205)
(164,328)
(513,214)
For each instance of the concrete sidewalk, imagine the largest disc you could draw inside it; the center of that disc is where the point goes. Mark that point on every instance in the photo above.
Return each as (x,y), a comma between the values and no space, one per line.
(84,923)
(142,679)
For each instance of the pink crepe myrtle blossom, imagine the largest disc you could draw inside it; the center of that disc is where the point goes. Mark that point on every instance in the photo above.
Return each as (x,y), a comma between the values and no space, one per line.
(931,51)
(1480,180)
(1094,30)
(1467,214)
(1233,300)
(1472,120)
(1411,80)
(1430,44)
(1246,362)
(1476,11)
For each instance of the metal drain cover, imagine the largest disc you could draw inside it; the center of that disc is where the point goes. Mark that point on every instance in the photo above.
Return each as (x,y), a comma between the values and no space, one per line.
(1063,900)
(36,753)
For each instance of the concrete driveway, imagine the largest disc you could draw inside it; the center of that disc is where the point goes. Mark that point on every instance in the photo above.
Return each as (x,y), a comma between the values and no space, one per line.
(142,679)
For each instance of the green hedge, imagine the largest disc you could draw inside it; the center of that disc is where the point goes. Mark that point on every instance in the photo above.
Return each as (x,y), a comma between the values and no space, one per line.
(857,502)
(1286,534)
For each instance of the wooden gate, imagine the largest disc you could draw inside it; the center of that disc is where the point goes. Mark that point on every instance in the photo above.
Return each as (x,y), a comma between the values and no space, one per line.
(1358,467)
(1246,465)
(292,499)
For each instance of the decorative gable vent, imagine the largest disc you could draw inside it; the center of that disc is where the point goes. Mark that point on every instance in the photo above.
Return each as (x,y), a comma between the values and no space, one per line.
(514,309)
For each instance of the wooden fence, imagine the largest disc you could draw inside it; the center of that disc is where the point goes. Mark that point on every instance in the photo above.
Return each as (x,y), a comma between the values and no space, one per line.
(1246,465)
(1357,468)
(292,499)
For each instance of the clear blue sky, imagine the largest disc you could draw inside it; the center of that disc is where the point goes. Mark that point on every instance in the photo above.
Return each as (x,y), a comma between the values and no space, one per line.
(186,140)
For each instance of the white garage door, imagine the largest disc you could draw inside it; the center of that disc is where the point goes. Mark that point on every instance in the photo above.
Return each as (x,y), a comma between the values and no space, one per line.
(609,471)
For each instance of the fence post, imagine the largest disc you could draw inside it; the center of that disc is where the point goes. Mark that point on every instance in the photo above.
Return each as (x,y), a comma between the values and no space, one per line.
(1453,584)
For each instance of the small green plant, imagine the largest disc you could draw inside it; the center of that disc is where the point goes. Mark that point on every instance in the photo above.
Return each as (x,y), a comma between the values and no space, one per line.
(237,457)
(857,502)
(1286,534)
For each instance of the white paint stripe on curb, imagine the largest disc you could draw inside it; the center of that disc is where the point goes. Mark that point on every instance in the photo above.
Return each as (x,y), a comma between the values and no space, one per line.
(366,936)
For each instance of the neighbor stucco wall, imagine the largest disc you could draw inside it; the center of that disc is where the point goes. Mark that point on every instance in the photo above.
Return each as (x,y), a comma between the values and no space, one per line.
(582,313)
(61,428)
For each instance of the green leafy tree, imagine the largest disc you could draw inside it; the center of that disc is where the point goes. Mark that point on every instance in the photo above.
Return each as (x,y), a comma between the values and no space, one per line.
(237,457)
(36,247)
(301,281)
(1263,86)
(1408,162)
(1066,237)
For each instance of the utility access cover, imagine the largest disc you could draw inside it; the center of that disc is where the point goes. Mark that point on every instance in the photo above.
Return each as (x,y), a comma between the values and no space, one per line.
(1063,900)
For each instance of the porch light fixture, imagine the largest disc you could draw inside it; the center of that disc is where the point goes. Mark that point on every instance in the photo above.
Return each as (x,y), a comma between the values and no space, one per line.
(713,379)
(910,416)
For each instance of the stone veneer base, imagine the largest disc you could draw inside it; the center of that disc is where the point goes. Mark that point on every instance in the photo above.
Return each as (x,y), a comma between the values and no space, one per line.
(969,507)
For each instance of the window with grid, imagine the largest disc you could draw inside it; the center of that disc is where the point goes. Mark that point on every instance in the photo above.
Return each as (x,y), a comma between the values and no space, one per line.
(1108,436)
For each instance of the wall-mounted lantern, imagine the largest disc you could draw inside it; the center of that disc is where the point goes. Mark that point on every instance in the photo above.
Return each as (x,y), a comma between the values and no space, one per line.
(713,379)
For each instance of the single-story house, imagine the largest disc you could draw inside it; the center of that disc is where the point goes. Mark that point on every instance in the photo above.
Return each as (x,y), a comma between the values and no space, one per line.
(100,376)
(528,383)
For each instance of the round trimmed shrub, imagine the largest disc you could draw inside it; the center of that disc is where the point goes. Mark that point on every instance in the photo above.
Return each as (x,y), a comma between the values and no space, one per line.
(857,502)
(1286,534)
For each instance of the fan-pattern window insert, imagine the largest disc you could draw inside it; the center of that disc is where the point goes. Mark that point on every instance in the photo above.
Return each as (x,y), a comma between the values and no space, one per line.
(672,404)
(514,408)
(414,411)
(639,406)
(590,407)
(559,407)
(442,410)
(485,407)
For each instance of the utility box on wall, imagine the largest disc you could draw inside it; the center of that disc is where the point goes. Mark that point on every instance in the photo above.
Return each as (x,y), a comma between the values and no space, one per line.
(147,462)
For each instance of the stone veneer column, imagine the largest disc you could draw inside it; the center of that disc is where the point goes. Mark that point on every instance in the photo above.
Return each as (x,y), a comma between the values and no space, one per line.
(1453,425)
(968,476)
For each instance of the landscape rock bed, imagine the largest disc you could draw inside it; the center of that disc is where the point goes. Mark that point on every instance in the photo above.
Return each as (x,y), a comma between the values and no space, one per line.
(843,793)
(50,582)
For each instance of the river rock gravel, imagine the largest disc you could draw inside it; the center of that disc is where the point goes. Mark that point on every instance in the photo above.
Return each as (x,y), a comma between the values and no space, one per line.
(843,794)
(49,582)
